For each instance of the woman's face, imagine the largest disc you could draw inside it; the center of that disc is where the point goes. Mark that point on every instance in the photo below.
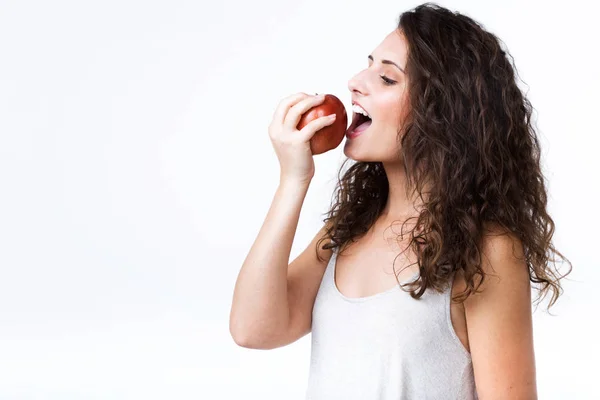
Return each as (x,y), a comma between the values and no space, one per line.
(385,102)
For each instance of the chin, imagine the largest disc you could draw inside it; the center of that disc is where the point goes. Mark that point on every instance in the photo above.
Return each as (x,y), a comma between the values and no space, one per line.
(360,147)
(357,153)
(364,154)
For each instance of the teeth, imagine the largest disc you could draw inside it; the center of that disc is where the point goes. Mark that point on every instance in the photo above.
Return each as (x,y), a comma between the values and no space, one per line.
(359,110)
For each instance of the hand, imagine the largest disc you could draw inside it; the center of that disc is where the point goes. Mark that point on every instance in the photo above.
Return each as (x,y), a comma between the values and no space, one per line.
(292,146)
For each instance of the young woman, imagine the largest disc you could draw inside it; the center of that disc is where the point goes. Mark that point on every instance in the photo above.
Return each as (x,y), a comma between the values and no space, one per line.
(418,284)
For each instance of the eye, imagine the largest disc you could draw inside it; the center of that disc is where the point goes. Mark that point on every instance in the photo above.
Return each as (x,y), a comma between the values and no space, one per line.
(387,80)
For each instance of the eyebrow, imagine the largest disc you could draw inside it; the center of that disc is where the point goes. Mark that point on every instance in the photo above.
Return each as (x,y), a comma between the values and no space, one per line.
(388,62)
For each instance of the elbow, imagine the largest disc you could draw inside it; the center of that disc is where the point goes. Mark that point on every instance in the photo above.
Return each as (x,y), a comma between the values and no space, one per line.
(238,335)
(254,342)
(248,343)
(251,335)
(243,339)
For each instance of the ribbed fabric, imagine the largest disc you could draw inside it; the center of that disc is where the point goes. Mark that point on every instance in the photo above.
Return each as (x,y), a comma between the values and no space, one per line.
(388,346)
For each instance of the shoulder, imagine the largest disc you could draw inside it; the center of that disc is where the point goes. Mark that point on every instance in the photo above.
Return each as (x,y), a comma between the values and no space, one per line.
(502,258)
(502,263)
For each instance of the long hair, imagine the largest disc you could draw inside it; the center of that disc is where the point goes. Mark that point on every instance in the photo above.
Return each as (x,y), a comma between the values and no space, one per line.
(469,140)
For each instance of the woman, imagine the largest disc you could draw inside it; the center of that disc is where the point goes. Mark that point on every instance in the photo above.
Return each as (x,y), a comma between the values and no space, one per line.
(446,188)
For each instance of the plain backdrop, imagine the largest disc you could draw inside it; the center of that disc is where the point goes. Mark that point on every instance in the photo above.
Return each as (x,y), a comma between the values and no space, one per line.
(136,171)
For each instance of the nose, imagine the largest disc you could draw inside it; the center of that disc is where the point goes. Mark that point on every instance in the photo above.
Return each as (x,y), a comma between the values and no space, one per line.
(356,85)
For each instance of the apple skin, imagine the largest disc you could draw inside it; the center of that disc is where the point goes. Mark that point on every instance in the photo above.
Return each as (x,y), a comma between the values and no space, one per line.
(329,137)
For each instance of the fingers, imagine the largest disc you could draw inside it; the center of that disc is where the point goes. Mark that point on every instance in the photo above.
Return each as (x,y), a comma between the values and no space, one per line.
(284,105)
(308,131)
(297,110)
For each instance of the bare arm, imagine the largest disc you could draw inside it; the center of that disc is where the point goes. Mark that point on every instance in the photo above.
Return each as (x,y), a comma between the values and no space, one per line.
(260,309)
(500,327)
(260,313)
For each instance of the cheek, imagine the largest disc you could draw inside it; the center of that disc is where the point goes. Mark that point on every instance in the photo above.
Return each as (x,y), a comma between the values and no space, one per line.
(392,122)
(393,111)
(400,116)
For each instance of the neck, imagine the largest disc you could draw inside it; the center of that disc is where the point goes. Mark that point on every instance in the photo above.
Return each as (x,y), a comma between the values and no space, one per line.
(399,205)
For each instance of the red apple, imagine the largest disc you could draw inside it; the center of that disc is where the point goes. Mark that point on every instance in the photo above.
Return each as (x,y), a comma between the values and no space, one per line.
(329,137)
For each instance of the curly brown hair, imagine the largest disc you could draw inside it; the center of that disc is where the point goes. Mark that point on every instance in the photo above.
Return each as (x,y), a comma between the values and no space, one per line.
(470,141)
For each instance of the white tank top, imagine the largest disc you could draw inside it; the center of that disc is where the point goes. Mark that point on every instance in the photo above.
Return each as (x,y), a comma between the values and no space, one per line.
(387,346)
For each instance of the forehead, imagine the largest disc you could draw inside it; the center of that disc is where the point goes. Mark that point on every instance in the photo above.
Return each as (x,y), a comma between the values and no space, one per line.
(393,47)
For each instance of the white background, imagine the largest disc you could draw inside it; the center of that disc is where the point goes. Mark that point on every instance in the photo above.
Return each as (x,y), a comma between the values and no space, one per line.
(136,170)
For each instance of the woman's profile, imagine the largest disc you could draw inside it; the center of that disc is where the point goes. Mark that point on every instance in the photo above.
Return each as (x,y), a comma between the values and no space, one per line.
(418,284)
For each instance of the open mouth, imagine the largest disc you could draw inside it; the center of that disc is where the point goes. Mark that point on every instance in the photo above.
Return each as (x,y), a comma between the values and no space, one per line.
(358,120)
